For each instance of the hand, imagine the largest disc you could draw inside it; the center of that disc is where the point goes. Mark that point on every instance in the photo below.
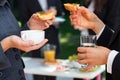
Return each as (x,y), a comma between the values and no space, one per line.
(16,42)
(84,18)
(35,23)
(93,56)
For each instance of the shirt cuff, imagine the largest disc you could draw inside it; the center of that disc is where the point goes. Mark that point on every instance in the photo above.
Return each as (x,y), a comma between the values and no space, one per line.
(110,59)
(101,32)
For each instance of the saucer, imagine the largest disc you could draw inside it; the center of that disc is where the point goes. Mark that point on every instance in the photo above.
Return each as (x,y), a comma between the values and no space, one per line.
(52,63)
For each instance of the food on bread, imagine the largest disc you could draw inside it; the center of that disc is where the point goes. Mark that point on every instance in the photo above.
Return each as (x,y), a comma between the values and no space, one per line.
(49,14)
(71,6)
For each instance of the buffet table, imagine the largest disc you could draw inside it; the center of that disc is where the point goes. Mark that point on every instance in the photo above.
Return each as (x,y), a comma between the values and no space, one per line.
(36,66)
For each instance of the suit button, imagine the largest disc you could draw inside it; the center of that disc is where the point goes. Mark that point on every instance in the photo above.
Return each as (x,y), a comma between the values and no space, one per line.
(1,74)
(17,57)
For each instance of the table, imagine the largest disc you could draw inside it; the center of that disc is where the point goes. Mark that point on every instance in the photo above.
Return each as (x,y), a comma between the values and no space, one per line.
(35,66)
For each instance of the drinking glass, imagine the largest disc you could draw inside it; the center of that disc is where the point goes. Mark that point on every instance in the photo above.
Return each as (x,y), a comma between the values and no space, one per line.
(87,41)
(49,51)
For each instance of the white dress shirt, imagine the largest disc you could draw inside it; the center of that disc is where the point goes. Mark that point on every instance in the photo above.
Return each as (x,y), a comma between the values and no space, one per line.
(92,5)
(111,56)
(43,4)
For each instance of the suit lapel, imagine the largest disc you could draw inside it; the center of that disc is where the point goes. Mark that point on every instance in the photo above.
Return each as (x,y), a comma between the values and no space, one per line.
(49,3)
(117,32)
(2,2)
(40,8)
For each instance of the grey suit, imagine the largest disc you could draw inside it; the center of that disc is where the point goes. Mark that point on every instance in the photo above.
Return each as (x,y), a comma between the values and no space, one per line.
(11,64)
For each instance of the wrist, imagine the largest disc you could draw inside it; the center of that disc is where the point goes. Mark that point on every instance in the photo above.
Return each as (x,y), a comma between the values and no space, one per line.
(98,26)
(5,43)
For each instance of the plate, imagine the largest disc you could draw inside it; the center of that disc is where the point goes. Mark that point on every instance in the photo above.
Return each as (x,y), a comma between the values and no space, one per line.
(59,19)
(74,64)
(57,62)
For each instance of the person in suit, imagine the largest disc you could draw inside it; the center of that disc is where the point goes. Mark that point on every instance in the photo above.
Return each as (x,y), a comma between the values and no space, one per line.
(27,7)
(11,45)
(106,10)
(107,37)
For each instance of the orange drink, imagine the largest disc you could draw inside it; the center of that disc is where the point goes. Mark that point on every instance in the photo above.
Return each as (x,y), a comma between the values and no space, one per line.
(49,55)
(49,51)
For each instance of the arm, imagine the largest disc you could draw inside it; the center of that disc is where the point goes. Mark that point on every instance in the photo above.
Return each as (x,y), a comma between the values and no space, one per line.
(105,37)
(16,42)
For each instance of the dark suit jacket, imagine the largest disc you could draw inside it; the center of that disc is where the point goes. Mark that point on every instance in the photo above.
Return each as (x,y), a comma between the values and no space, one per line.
(111,40)
(28,7)
(11,64)
(110,13)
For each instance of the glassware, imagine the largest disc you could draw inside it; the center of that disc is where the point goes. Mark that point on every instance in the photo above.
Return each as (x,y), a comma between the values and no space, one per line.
(87,41)
(49,51)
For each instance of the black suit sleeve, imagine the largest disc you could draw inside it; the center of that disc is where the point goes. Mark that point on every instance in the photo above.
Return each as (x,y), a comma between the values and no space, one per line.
(105,37)
(111,39)
(116,68)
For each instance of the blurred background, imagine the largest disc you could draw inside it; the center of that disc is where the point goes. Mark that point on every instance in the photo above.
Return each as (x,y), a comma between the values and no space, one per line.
(69,37)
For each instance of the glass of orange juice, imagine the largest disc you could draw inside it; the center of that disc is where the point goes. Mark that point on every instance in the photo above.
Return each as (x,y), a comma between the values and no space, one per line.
(49,52)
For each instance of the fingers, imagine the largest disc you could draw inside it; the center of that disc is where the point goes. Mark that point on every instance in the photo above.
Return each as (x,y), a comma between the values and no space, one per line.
(74,20)
(81,56)
(34,47)
(50,22)
(83,61)
(47,24)
(35,16)
(41,43)
(81,49)
(84,11)
(29,45)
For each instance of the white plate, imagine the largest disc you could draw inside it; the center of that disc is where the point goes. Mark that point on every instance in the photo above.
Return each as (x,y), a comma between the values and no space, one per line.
(74,64)
(59,19)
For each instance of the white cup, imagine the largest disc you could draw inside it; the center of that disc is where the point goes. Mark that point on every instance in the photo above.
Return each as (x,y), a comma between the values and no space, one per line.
(35,35)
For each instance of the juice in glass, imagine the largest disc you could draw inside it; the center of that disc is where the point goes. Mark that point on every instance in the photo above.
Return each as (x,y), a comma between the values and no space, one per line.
(49,55)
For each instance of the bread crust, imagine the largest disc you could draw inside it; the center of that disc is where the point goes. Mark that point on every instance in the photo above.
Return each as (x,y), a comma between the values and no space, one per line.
(71,6)
(47,15)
